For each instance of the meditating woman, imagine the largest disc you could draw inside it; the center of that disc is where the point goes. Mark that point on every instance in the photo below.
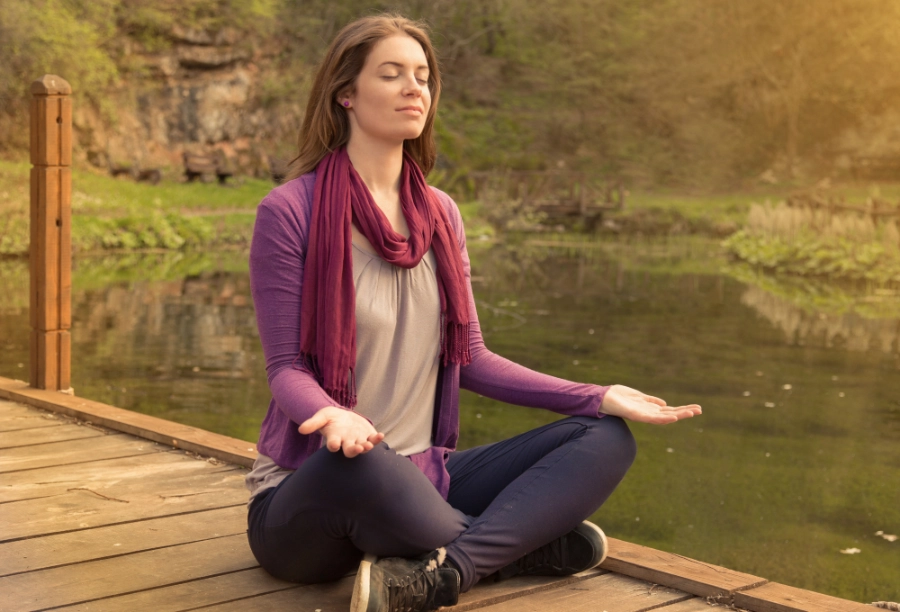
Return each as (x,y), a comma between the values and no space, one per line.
(361,284)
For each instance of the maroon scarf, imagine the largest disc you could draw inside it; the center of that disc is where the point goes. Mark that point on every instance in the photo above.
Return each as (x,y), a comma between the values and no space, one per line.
(328,310)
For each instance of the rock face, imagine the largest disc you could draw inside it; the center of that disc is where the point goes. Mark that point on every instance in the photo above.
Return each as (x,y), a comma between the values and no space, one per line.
(197,96)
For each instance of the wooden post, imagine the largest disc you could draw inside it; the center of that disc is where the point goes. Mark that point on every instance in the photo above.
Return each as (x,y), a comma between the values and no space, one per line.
(51,233)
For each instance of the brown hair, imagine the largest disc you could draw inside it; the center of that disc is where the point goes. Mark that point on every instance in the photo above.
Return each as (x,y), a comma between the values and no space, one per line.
(326,125)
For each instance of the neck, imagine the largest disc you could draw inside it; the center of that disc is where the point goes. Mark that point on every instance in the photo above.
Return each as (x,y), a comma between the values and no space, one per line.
(378,164)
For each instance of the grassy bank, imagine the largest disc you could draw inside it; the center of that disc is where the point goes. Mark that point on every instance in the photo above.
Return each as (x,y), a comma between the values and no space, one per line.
(110,213)
(803,242)
(120,214)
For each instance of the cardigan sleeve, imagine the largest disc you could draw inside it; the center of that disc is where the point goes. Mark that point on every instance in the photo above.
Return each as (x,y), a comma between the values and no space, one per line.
(499,378)
(277,257)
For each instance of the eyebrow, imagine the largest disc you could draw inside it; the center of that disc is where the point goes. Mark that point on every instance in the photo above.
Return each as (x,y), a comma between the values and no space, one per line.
(399,65)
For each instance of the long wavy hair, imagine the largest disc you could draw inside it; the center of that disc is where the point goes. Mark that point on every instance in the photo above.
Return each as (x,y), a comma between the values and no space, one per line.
(326,125)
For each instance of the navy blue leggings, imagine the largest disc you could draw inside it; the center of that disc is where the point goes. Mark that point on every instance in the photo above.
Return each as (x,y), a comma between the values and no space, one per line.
(506,499)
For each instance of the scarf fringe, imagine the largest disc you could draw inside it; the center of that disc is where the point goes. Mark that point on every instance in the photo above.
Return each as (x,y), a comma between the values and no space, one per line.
(345,396)
(455,343)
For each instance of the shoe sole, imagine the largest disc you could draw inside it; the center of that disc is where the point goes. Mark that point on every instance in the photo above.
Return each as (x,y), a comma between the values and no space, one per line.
(359,602)
(603,540)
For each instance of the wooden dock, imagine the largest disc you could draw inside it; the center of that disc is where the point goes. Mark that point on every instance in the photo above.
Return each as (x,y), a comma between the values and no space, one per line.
(106,509)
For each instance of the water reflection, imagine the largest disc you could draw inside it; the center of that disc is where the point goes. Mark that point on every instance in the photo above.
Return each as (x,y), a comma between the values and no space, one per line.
(772,480)
(850,331)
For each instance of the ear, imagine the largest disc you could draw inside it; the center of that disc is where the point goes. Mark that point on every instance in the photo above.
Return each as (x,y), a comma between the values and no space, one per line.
(343,99)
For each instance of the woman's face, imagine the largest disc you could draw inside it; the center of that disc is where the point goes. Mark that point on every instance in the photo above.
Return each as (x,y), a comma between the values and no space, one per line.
(392,99)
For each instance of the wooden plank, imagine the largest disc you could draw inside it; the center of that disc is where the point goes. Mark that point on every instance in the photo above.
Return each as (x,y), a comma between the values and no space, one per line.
(328,597)
(85,507)
(107,473)
(191,595)
(609,593)
(84,582)
(487,592)
(775,597)
(16,422)
(12,409)
(89,544)
(695,604)
(186,437)
(76,451)
(44,435)
(675,571)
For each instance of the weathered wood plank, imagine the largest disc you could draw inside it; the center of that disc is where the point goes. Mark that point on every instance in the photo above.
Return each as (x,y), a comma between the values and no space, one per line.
(45,435)
(775,597)
(194,594)
(609,593)
(17,422)
(83,507)
(71,451)
(185,437)
(83,582)
(488,592)
(675,571)
(13,409)
(88,544)
(695,604)
(107,473)
(329,597)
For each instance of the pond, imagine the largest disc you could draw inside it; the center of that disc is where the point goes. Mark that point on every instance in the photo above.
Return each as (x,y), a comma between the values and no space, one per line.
(795,458)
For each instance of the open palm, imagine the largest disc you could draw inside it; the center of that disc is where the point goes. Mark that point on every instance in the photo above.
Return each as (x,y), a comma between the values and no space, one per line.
(634,405)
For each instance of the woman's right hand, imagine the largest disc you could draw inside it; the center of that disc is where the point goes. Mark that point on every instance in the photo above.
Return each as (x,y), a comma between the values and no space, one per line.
(342,429)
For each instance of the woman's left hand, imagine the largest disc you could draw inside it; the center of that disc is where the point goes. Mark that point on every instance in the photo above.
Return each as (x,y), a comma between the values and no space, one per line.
(633,405)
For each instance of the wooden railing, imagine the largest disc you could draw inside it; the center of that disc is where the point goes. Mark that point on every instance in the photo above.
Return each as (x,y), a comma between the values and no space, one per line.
(50,253)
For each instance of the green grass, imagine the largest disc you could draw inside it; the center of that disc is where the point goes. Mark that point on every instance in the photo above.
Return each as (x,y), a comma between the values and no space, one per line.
(109,213)
(731,209)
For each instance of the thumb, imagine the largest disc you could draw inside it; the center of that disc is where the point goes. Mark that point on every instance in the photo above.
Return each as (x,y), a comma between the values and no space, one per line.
(313,423)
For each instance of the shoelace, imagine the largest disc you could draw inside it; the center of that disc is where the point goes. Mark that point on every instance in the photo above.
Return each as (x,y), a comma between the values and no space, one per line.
(411,592)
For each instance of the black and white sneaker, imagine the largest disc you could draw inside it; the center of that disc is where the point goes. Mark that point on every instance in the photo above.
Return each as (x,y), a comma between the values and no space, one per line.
(394,584)
(581,549)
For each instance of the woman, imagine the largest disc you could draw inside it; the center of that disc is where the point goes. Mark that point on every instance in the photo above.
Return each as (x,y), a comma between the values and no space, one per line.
(357,467)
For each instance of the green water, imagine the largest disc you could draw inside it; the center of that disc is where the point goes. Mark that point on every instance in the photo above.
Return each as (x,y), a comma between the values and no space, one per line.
(794,459)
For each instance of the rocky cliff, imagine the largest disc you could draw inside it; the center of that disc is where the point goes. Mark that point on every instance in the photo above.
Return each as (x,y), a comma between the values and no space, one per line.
(200,94)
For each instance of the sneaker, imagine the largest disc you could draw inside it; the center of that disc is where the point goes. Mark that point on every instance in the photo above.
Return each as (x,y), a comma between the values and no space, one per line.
(581,549)
(394,584)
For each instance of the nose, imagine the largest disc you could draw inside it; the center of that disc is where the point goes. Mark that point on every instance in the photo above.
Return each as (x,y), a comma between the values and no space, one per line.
(413,87)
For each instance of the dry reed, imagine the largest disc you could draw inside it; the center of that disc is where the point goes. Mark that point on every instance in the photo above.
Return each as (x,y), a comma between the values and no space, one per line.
(791,222)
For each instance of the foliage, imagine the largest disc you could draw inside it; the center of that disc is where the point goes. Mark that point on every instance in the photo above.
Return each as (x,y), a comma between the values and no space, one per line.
(811,254)
(108,213)
(683,92)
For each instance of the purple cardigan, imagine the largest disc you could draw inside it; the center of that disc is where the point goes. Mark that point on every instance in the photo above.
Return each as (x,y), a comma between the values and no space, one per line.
(277,256)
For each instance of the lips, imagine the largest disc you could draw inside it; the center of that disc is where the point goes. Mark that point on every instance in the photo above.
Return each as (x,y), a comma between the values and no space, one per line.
(411,108)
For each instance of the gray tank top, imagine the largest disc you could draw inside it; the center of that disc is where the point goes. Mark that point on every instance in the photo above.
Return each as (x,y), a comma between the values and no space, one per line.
(397,356)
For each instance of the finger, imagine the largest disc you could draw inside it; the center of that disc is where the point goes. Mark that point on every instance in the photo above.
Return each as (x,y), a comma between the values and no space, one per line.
(376,438)
(693,409)
(352,449)
(333,442)
(313,423)
(661,419)
(655,400)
